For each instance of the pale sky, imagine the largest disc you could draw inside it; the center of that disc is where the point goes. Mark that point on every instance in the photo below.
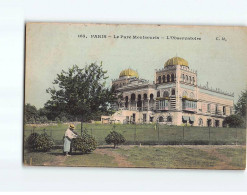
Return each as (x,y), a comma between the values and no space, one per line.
(53,47)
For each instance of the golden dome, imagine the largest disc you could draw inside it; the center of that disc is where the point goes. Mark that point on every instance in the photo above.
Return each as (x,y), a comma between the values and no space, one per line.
(128,73)
(176,61)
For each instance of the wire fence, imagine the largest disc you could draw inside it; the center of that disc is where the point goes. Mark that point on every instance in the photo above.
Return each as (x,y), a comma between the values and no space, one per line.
(154,134)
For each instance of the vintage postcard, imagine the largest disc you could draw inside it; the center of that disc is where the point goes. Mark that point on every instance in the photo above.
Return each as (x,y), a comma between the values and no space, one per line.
(149,96)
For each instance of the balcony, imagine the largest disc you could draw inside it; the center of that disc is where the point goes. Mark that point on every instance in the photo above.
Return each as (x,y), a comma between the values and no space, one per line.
(162,105)
(189,106)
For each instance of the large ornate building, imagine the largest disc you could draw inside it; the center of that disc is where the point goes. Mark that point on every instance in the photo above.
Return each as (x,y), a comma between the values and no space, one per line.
(174,98)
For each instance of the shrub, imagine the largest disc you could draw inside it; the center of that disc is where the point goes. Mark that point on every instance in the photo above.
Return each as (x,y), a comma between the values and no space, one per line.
(43,119)
(57,119)
(234,121)
(85,143)
(64,119)
(115,138)
(31,140)
(39,143)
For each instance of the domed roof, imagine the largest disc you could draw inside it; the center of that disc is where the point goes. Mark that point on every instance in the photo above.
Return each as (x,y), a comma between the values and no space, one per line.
(176,61)
(128,73)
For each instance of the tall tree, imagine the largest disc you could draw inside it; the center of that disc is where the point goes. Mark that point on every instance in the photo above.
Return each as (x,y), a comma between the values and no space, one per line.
(31,113)
(240,107)
(81,92)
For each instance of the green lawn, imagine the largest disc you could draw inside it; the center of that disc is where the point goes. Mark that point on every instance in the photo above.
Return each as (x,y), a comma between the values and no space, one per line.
(56,158)
(169,157)
(237,156)
(147,134)
(203,157)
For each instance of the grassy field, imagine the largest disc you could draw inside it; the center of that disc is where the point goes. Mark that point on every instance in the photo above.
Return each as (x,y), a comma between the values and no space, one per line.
(149,135)
(199,157)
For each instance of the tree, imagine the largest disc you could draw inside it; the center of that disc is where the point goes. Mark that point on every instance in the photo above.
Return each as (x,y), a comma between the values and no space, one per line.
(240,107)
(115,138)
(81,92)
(31,113)
(234,121)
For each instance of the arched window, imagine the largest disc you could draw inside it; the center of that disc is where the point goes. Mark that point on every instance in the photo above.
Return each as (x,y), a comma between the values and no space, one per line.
(192,95)
(139,102)
(166,94)
(151,96)
(133,97)
(161,119)
(190,79)
(186,78)
(145,96)
(183,77)
(185,94)
(168,78)
(169,119)
(193,80)
(173,91)
(164,78)
(158,94)
(172,77)
(159,79)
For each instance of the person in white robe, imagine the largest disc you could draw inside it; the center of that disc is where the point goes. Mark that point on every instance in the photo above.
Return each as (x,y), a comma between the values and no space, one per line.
(69,135)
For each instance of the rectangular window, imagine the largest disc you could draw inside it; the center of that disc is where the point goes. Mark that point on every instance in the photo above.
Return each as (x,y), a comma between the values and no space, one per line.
(224,110)
(163,104)
(144,118)
(209,108)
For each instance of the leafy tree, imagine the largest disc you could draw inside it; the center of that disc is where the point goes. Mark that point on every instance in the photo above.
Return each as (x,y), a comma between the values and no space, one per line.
(240,107)
(81,92)
(115,138)
(234,121)
(31,113)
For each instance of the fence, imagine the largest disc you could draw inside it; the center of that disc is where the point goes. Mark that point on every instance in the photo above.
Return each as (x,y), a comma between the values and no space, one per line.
(155,134)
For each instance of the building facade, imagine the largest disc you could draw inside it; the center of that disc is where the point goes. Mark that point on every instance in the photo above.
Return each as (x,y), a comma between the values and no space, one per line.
(174,98)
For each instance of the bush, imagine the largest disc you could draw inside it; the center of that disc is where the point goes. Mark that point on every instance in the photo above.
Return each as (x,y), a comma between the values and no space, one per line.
(31,140)
(43,119)
(64,119)
(39,143)
(57,119)
(115,138)
(85,143)
(234,121)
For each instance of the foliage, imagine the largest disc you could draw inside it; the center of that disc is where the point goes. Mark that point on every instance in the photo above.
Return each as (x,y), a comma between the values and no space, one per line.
(85,143)
(115,138)
(80,92)
(31,113)
(39,142)
(240,107)
(234,121)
